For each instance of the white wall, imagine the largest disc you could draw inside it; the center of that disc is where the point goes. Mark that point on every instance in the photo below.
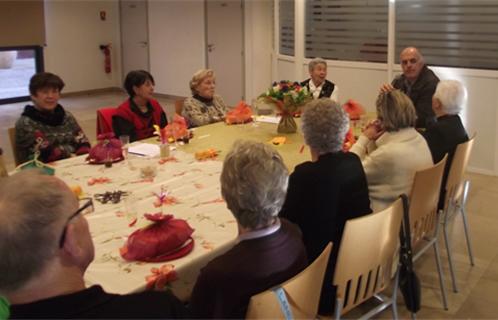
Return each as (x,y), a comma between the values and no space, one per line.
(176,44)
(74,32)
(258,29)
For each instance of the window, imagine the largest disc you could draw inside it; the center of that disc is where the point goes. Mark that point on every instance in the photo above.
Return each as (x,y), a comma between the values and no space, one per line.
(347,30)
(453,33)
(17,66)
(286,22)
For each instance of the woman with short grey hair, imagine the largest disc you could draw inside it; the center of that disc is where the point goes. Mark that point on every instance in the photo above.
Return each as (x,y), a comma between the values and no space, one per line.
(268,250)
(391,150)
(204,107)
(328,190)
(317,84)
(254,183)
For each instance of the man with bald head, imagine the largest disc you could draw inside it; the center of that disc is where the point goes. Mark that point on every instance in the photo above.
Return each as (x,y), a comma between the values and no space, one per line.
(418,82)
(45,248)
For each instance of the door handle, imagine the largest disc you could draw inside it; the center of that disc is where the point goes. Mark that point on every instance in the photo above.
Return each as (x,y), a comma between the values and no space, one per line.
(210,47)
(143,43)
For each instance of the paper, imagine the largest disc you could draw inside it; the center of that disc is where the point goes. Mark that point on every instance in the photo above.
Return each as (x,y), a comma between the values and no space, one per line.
(144,149)
(268,119)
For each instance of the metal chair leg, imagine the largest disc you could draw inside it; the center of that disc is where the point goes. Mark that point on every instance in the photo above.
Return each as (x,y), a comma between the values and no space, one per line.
(465,221)
(338,308)
(440,272)
(394,303)
(448,250)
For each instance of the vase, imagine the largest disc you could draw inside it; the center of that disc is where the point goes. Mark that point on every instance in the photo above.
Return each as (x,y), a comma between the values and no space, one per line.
(287,124)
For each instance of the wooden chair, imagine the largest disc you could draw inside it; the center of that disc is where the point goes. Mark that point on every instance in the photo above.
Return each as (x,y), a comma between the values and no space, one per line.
(104,120)
(424,218)
(301,294)
(179,106)
(457,190)
(365,261)
(12,138)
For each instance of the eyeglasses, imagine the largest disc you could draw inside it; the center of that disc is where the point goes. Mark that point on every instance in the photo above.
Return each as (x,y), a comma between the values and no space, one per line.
(86,208)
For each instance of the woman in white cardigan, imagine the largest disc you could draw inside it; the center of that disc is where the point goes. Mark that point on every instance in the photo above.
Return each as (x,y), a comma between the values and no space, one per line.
(391,150)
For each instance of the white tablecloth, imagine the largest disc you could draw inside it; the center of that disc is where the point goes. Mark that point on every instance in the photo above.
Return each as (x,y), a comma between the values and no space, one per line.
(195,184)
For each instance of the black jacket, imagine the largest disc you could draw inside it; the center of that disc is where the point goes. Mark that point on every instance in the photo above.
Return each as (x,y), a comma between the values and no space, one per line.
(321,196)
(421,95)
(327,88)
(442,138)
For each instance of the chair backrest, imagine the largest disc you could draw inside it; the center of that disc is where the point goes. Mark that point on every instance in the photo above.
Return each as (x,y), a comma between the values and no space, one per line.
(302,292)
(3,170)
(12,138)
(179,106)
(454,184)
(365,258)
(104,119)
(424,199)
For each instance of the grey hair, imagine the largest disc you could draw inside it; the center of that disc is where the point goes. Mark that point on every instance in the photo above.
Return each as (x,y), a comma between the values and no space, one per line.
(32,207)
(452,95)
(254,183)
(316,61)
(396,111)
(324,125)
(198,77)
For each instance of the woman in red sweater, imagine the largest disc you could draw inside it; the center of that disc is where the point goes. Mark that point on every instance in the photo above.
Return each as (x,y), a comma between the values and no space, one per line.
(136,116)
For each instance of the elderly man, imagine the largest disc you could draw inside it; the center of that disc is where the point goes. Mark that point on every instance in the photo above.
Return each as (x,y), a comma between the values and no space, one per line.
(269,250)
(418,82)
(317,84)
(448,131)
(45,248)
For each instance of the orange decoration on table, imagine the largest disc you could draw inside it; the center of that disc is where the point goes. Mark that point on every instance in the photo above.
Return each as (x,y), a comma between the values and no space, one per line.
(160,277)
(100,180)
(242,113)
(206,154)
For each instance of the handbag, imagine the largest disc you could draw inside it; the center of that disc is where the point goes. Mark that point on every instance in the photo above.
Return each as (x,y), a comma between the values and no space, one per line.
(409,283)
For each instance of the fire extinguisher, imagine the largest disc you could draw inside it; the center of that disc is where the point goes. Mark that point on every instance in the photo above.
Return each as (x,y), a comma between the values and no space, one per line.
(106,49)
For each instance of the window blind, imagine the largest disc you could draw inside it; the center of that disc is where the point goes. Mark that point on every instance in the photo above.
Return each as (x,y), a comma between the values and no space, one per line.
(351,30)
(286,22)
(22,23)
(453,33)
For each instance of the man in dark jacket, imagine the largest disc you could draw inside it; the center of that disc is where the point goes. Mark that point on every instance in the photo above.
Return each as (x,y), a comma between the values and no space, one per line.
(448,131)
(418,82)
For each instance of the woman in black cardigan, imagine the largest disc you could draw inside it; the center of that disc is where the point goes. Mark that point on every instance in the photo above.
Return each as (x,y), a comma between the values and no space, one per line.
(328,190)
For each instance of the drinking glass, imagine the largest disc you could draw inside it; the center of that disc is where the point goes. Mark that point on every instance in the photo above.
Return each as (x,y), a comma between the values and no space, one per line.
(125,143)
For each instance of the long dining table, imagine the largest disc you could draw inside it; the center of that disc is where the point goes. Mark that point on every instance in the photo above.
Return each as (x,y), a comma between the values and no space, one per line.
(192,190)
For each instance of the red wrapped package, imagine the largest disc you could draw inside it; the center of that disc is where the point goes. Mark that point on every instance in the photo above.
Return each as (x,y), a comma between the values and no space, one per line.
(166,239)
(107,150)
(348,141)
(354,109)
(240,114)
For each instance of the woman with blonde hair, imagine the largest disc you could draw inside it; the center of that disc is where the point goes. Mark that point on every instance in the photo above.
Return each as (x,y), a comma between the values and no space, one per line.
(391,150)
(204,107)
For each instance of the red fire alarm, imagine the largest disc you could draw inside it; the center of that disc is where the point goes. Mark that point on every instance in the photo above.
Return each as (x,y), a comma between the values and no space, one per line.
(102,15)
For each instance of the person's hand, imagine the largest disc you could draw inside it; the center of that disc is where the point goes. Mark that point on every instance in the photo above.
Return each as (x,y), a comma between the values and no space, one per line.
(373,130)
(386,87)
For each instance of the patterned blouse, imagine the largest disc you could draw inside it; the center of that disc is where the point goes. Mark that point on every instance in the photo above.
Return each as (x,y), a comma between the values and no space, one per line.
(199,111)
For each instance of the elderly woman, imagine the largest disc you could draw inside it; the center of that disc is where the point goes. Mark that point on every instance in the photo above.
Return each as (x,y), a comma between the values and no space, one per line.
(391,149)
(328,190)
(268,250)
(137,116)
(448,131)
(46,128)
(317,84)
(204,107)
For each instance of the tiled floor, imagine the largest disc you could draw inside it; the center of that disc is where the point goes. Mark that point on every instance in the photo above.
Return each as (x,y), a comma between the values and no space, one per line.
(478,294)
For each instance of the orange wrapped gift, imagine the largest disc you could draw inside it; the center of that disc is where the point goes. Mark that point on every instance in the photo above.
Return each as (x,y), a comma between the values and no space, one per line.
(242,113)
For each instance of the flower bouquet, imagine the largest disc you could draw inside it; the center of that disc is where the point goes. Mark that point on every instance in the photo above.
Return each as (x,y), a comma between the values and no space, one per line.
(288,97)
